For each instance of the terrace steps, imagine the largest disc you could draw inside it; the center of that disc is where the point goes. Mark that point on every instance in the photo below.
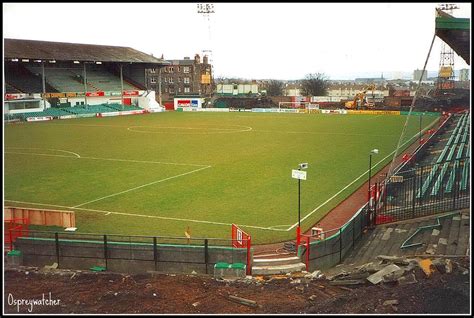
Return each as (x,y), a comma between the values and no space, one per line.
(276,264)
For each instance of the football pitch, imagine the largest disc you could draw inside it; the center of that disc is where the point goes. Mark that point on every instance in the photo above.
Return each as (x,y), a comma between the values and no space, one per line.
(160,174)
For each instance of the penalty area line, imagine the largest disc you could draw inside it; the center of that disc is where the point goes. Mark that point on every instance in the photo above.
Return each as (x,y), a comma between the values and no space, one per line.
(145,216)
(142,186)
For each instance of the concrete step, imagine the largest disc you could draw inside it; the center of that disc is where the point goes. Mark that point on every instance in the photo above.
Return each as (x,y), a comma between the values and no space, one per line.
(281,269)
(273,255)
(276,261)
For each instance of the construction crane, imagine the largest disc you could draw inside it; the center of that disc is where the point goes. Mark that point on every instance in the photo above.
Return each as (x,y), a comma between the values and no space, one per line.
(360,100)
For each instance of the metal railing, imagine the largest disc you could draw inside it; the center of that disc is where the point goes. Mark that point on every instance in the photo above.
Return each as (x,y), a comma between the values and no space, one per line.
(156,253)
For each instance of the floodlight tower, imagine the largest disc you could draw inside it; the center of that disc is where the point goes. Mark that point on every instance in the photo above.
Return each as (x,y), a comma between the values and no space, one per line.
(445,79)
(206,9)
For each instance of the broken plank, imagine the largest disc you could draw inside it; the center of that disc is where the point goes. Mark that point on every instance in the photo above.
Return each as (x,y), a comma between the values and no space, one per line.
(243,301)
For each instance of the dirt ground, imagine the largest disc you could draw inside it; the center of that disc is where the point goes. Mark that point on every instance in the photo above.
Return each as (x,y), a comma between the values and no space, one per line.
(85,292)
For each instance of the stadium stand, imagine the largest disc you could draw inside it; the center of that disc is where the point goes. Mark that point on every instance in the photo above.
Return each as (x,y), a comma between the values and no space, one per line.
(104,81)
(24,81)
(62,79)
(64,67)
(10,89)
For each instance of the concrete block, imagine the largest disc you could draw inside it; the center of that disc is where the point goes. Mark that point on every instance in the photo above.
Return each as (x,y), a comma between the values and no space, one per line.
(443,241)
(435,232)
(386,235)
(390,302)
(394,276)
(378,277)
(431,249)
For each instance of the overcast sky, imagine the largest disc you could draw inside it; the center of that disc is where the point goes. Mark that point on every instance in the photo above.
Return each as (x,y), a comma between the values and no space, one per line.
(251,40)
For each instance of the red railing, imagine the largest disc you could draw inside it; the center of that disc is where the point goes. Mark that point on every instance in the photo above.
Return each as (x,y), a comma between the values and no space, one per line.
(13,229)
(240,239)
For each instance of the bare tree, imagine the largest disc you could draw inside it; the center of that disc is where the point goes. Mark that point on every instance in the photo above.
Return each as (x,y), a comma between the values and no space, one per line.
(316,84)
(275,88)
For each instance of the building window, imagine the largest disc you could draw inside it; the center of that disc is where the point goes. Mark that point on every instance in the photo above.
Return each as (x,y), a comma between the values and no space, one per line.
(186,89)
(153,80)
(166,79)
(171,90)
(178,69)
(186,80)
(171,80)
(152,70)
(171,69)
(179,79)
(179,89)
(166,89)
(185,69)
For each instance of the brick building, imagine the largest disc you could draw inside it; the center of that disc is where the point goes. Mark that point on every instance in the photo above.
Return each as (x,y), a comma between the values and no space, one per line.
(182,77)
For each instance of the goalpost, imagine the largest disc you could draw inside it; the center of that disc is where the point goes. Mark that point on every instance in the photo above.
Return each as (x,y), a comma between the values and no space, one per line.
(298,105)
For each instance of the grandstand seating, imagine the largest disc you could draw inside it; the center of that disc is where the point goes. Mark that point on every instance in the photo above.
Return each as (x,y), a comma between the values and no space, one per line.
(446,156)
(105,81)
(120,107)
(10,89)
(62,79)
(71,79)
(25,81)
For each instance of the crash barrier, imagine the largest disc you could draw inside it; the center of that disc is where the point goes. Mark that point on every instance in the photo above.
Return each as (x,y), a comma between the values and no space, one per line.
(131,254)
(41,216)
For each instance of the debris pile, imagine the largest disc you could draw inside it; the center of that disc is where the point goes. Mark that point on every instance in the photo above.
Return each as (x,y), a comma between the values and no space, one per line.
(397,270)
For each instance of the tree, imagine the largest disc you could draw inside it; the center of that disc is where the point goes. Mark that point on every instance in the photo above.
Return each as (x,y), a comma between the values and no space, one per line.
(275,88)
(315,85)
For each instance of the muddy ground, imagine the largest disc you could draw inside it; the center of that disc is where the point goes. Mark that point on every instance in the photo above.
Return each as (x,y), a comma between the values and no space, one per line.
(83,292)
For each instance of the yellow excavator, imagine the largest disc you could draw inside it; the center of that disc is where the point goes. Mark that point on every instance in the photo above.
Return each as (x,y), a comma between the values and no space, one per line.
(360,100)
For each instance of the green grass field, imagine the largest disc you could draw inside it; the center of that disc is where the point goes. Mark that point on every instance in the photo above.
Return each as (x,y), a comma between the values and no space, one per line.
(157,174)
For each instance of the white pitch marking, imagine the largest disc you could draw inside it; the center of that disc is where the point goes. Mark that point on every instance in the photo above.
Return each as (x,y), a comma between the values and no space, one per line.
(98,158)
(108,213)
(277,226)
(147,216)
(319,133)
(75,154)
(142,186)
(218,130)
(38,154)
(145,161)
(347,186)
